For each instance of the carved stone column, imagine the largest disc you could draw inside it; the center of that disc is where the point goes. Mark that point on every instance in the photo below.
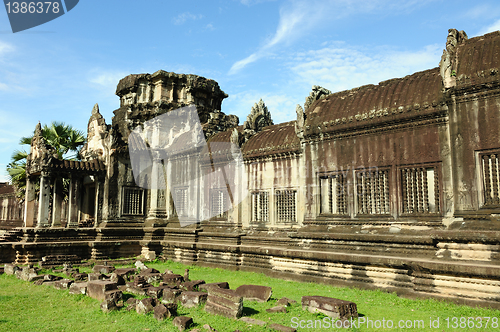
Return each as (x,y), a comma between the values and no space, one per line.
(157,206)
(57,199)
(29,204)
(44,201)
(74,200)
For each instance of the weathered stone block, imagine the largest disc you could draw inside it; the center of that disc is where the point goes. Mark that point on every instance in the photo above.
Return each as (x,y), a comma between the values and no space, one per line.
(284,301)
(329,306)
(282,328)
(204,287)
(63,283)
(80,276)
(27,274)
(255,292)
(192,285)
(252,321)
(97,289)
(37,278)
(221,310)
(153,277)
(125,273)
(115,295)
(172,279)
(172,307)
(96,276)
(51,277)
(78,288)
(140,265)
(156,292)
(148,271)
(145,305)
(225,302)
(193,299)
(171,295)
(161,312)
(108,305)
(182,322)
(103,269)
(274,310)
(10,269)
(131,288)
(116,278)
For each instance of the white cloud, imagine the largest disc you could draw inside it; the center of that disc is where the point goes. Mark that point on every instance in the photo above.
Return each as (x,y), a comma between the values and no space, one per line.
(210,27)
(5,48)
(280,105)
(254,2)
(339,66)
(297,18)
(108,79)
(182,18)
(493,27)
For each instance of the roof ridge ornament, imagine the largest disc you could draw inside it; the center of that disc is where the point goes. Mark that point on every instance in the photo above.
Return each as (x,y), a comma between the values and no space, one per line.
(258,119)
(448,64)
(318,92)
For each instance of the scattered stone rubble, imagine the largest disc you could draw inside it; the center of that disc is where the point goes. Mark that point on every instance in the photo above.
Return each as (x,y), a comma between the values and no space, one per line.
(107,284)
(331,307)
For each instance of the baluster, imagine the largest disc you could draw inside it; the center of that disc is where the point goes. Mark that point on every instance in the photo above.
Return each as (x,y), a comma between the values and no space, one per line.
(361,192)
(426,191)
(410,191)
(494,175)
(436,190)
(369,192)
(405,190)
(385,191)
(486,169)
(419,173)
(343,194)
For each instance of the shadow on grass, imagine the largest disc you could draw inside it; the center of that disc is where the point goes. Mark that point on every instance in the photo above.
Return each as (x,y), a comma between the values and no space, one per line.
(247,311)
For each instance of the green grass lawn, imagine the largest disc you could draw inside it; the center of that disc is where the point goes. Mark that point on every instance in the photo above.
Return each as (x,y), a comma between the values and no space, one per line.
(26,307)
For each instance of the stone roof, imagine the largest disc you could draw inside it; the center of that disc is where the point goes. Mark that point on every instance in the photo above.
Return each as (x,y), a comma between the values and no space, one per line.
(275,139)
(479,59)
(6,188)
(390,100)
(91,166)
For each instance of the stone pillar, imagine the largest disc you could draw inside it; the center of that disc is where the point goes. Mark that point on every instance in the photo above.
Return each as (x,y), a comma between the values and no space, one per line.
(73,202)
(44,201)
(98,188)
(158,90)
(157,206)
(29,204)
(57,199)
(173,93)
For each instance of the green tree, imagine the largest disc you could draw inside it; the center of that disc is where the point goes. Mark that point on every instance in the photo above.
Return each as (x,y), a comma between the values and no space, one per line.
(66,141)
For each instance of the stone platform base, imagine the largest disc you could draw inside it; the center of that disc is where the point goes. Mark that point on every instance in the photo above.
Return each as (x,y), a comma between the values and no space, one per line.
(461,266)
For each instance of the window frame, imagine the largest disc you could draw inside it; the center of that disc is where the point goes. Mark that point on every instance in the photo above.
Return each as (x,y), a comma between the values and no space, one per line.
(141,203)
(277,202)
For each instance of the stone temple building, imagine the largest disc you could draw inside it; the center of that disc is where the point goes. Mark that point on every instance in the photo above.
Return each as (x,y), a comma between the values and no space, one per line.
(393,186)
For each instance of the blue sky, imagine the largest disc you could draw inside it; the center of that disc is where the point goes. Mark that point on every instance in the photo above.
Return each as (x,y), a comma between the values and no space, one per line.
(274,50)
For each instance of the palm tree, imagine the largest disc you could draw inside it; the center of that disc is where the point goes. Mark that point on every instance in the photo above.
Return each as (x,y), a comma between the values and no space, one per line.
(17,172)
(66,141)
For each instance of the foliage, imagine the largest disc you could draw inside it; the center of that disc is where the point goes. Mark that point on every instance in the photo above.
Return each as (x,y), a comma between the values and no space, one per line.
(66,141)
